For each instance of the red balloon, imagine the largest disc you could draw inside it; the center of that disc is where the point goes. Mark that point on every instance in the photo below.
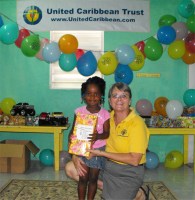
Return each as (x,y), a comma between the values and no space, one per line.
(190,42)
(140,45)
(22,34)
(79,53)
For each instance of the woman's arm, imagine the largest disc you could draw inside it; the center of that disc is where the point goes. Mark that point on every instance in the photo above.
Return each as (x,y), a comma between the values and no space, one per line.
(127,158)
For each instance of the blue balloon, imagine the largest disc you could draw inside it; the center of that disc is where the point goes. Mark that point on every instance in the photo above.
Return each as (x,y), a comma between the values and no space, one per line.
(46,157)
(125,54)
(189,97)
(152,160)
(1,22)
(124,74)
(9,33)
(166,34)
(186,8)
(87,64)
(67,62)
(51,52)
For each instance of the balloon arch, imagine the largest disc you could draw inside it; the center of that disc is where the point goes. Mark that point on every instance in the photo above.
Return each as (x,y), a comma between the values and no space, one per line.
(180,36)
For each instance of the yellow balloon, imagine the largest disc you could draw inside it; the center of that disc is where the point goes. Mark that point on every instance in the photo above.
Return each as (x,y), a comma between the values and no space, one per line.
(68,44)
(6,105)
(176,49)
(139,60)
(107,63)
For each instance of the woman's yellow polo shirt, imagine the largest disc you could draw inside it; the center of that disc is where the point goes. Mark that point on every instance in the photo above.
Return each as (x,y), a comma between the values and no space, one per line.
(131,135)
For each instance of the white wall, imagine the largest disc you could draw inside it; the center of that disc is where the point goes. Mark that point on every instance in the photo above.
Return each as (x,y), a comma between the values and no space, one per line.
(191,138)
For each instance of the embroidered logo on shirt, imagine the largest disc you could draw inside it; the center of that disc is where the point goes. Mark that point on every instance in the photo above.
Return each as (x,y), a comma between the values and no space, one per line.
(123,133)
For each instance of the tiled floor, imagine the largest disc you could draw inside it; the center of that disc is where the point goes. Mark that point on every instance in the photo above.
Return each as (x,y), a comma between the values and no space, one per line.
(179,181)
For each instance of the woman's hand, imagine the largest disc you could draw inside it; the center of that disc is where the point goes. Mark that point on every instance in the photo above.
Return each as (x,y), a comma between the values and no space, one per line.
(78,163)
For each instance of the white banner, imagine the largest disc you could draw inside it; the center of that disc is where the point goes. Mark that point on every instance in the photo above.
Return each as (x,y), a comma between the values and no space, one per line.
(104,15)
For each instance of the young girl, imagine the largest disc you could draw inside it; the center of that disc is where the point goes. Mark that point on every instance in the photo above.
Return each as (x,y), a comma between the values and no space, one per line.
(92,93)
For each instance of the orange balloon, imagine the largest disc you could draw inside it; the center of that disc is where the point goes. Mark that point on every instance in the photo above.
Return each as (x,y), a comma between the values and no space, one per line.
(189,58)
(68,44)
(160,105)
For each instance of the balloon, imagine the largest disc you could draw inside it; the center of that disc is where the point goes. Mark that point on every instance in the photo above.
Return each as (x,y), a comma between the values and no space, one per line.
(153,49)
(124,74)
(174,159)
(65,157)
(166,20)
(191,23)
(174,109)
(9,33)
(43,43)
(1,22)
(51,52)
(140,45)
(7,104)
(125,54)
(189,58)
(152,160)
(30,45)
(79,53)
(139,60)
(67,62)
(46,157)
(190,42)
(23,33)
(189,97)
(181,30)
(166,34)
(144,107)
(176,49)
(107,63)
(160,105)
(87,64)
(186,8)
(68,43)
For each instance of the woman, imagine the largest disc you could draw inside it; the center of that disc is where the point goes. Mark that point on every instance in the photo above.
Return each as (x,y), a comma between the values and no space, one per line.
(125,148)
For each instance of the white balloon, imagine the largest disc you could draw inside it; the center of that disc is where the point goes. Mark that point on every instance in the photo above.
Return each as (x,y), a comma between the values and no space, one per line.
(174,109)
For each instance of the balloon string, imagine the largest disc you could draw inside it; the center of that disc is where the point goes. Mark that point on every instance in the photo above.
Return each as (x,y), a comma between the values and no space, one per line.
(55,41)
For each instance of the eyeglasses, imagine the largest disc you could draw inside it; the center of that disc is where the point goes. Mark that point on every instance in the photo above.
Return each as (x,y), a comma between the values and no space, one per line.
(121,96)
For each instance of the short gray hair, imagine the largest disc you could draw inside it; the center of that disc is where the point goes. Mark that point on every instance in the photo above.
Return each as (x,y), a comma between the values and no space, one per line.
(120,86)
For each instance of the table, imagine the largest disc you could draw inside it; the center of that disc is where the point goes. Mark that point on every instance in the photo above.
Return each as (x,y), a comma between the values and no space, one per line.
(177,131)
(57,132)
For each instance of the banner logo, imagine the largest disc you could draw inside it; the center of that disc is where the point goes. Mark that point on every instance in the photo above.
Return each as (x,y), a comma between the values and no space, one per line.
(32,15)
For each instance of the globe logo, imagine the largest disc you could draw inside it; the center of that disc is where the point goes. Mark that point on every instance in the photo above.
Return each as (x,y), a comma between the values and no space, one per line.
(32,15)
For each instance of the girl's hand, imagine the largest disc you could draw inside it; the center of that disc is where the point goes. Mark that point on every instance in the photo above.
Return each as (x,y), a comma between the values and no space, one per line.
(96,152)
(93,137)
(78,163)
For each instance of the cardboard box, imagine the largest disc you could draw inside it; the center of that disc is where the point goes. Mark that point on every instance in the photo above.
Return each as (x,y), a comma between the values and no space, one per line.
(84,126)
(15,155)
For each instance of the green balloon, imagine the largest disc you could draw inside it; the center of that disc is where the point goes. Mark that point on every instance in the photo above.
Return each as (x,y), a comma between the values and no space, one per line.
(166,20)
(174,160)
(191,23)
(30,45)
(153,49)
